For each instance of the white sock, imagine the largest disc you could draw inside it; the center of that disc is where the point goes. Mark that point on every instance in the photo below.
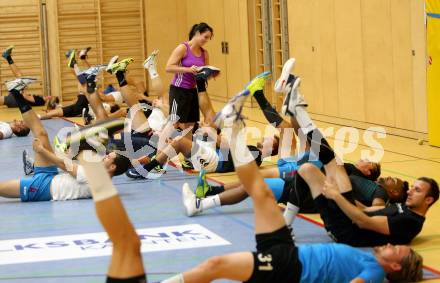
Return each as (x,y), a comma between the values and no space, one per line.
(175,279)
(304,120)
(210,202)
(290,213)
(237,144)
(153,72)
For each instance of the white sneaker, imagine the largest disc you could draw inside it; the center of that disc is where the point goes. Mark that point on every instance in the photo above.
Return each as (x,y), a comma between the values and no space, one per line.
(151,60)
(280,84)
(292,97)
(231,112)
(19,84)
(191,203)
(94,70)
(113,60)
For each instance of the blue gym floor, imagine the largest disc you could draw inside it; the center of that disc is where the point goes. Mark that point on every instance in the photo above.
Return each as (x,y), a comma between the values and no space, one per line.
(150,204)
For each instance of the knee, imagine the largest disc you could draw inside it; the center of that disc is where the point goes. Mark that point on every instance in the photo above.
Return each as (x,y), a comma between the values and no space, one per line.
(212,265)
(40,133)
(128,243)
(307,170)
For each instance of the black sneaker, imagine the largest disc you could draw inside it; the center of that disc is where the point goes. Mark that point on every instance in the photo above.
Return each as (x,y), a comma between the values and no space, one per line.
(205,72)
(83,53)
(187,164)
(71,58)
(87,118)
(28,164)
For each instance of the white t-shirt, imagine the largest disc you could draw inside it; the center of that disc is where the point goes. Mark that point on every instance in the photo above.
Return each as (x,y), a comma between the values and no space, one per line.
(157,120)
(6,130)
(117,95)
(66,187)
(206,157)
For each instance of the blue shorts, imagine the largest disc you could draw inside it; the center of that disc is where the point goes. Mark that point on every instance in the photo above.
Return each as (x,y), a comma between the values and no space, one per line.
(37,188)
(276,185)
(82,78)
(288,166)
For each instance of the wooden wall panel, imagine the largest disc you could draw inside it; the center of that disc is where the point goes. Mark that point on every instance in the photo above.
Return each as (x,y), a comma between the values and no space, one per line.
(370,60)
(20,26)
(418,36)
(378,62)
(166,35)
(124,36)
(237,36)
(402,65)
(78,27)
(301,42)
(327,49)
(349,59)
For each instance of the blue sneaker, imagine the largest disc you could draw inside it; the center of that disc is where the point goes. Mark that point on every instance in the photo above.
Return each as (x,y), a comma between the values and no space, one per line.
(7,52)
(202,185)
(232,109)
(258,82)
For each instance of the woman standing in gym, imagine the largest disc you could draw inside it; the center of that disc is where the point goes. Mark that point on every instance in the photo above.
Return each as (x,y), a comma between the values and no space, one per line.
(186,94)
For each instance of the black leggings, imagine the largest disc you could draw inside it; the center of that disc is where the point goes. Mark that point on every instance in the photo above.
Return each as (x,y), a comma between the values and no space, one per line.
(77,108)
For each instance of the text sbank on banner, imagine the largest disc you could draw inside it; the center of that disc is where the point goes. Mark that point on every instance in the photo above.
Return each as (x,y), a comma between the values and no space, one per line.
(433,70)
(98,244)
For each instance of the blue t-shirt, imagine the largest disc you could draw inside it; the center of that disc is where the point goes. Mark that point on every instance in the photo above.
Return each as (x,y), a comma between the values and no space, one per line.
(338,263)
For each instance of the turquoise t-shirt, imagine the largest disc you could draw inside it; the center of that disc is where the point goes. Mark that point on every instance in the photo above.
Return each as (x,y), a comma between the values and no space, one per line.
(338,263)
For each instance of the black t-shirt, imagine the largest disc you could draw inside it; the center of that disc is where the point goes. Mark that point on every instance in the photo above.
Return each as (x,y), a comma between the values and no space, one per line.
(352,170)
(365,191)
(403,223)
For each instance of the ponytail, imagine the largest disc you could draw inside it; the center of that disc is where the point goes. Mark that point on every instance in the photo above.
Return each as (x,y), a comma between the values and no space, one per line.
(201,28)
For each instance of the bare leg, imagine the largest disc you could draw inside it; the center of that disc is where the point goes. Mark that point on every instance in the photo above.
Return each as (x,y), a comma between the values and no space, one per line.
(57,112)
(15,70)
(235,266)
(10,189)
(126,260)
(206,107)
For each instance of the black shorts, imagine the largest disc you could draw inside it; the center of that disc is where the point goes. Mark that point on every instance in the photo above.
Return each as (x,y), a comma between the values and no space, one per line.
(276,259)
(77,108)
(300,195)
(39,100)
(185,104)
(337,224)
(10,101)
(136,279)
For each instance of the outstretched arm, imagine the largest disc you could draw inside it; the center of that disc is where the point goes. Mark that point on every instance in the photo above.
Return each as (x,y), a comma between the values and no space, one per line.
(376,223)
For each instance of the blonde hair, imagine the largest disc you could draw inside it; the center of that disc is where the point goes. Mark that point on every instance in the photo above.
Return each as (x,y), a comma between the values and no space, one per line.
(411,271)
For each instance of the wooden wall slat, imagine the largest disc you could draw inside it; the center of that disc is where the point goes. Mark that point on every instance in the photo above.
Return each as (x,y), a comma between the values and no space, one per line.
(20,26)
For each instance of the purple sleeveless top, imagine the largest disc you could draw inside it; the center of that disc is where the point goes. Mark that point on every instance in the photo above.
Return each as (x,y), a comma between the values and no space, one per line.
(187,80)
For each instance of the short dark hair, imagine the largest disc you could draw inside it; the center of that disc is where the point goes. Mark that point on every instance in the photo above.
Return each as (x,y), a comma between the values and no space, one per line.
(202,27)
(433,188)
(22,132)
(114,108)
(122,164)
(275,147)
(375,172)
(411,269)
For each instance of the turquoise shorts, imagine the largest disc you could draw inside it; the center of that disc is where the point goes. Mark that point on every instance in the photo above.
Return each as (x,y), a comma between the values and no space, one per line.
(37,188)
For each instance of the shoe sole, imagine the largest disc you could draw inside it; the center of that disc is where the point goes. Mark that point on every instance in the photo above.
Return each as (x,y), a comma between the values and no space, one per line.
(71,57)
(185,191)
(284,108)
(151,57)
(220,116)
(281,82)
(112,61)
